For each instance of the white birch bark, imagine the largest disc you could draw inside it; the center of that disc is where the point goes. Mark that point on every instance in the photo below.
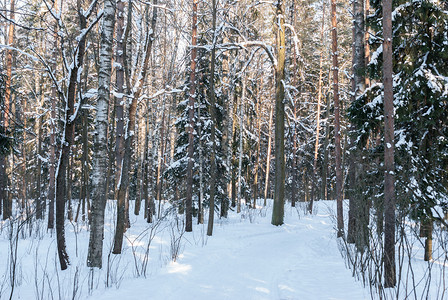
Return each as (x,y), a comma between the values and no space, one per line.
(100,156)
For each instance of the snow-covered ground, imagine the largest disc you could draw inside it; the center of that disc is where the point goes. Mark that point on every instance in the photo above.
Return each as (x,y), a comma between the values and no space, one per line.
(246,258)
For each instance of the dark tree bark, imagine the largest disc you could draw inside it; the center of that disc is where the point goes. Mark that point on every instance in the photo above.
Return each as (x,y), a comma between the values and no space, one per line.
(279,194)
(324,188)
(122,211)
(119,115)
(366,42)
(69,131)
(40,200)
(213,173)
(189,195)
(358,87)
(337,126)
(389,178)
(4,197)
(54,98)
(319,100)
(234,161)
(268,157)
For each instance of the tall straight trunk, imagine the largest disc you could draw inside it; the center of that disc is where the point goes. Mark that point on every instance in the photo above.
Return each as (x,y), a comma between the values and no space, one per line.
(234,161)
(429,225)
(268,158)
(150,205)
(54,96)
(4,197)
(189,195)
(142,167)
(366,42)
(358,87)
(24,203)
(389,178)
(85,167)
(227,131)
(161,159)
(40,200)
(257,162)
(294,159)
(296,73)
(201,173)
(337,126)
(279,194)
(240,147)
(146,163)
(319,100)
(68,196)
(83,193)
(325,154)
(99,191)
(213,173)
(120,135)
(119,99)
(123,185)
(111,150)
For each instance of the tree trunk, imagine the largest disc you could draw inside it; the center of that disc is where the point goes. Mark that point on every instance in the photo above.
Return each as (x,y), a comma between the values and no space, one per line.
(145,172)
(189,195)
(25,207)
(358,87)
(99,191)
(84,193)
(337,127)
(111,151)
(213,173)
(325,154)
(161,160)
(428,241)
(120,135)
(257,162)
(7,206)
(54,96)
(294,159)
(319,100)
(69,130)
(68,197)
(366,42)
(233,188)
(268,158)
(40,200)
(201,172)
(389,178)
(279,194)
(240,148)
(123,185)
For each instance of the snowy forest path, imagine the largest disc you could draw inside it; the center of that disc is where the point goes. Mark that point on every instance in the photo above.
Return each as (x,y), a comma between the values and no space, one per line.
(254,260)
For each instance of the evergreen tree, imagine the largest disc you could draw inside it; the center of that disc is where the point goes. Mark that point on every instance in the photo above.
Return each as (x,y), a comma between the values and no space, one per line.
(420,56)
(176,172)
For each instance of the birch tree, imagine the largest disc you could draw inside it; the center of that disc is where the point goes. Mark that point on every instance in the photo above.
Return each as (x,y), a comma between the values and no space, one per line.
(99,193)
